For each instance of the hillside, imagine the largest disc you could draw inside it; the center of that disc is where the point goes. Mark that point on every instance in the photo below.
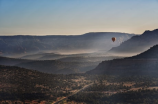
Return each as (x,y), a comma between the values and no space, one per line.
(19,83)
(24,85)
(144,63)
(137,44)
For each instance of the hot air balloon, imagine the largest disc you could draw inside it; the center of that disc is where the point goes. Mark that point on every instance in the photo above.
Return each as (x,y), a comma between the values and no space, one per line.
(113,39)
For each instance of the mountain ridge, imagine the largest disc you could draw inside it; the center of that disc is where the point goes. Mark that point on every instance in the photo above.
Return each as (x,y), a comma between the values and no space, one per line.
(137,43)
(135,65)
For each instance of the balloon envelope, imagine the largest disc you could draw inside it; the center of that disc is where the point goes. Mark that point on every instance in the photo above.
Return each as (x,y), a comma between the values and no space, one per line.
(113,39)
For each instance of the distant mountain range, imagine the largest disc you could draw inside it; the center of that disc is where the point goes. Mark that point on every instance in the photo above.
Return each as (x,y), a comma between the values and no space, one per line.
(145,63)
(137,44)
(12,45)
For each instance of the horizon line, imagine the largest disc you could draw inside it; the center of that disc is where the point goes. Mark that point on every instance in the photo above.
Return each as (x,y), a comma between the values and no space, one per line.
(68,35)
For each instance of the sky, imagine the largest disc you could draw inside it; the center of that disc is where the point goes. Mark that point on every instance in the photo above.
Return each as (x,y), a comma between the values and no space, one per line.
(75,17)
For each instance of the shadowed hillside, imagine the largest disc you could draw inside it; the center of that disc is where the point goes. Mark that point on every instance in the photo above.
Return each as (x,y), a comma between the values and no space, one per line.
(152,53)
(144,63)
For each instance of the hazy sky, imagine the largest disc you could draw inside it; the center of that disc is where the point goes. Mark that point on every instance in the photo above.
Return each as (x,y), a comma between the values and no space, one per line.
(74,17)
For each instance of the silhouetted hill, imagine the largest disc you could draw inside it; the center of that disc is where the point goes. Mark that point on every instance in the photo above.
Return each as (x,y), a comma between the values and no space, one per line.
(50,66)
(152,53)
(58,67)
(137,44)
(11,61)
(144,63)
(88,42)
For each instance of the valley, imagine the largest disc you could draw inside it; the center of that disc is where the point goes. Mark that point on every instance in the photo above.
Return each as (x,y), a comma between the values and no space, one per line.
(82,78)
(28,86)
(129,89)
(78,51)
